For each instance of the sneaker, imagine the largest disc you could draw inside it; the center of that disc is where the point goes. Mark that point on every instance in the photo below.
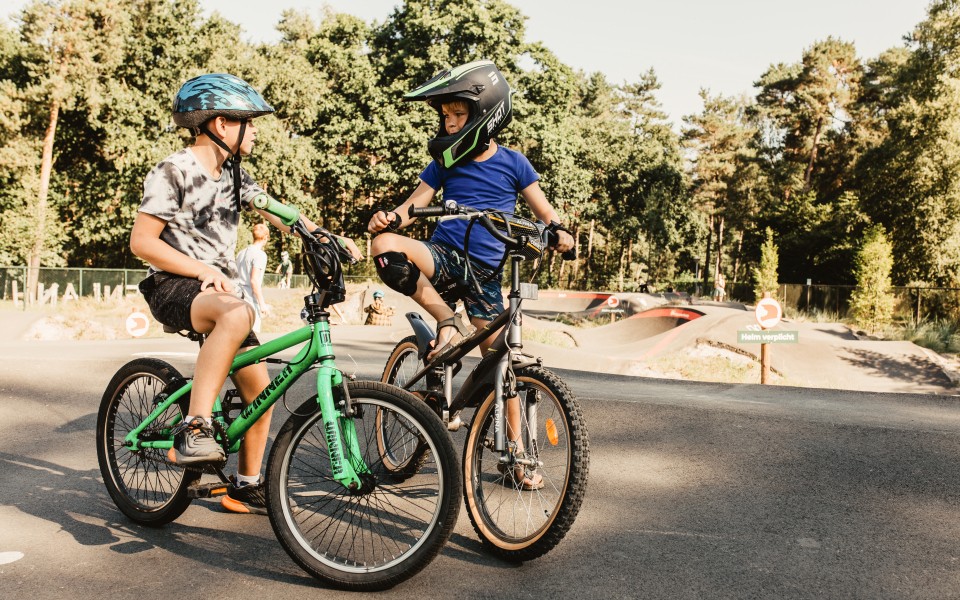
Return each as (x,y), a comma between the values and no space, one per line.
(245,499)
(194,443)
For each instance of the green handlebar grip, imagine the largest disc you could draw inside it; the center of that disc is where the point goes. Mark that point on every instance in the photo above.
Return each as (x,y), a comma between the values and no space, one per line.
(288,215)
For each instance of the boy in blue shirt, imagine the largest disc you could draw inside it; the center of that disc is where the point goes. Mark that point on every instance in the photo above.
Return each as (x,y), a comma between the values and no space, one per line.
(474,104)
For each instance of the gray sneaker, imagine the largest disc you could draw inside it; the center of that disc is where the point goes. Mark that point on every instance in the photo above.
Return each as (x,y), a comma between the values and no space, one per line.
(194,443)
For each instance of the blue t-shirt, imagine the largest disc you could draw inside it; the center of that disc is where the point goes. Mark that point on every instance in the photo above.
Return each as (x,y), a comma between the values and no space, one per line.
(494,183)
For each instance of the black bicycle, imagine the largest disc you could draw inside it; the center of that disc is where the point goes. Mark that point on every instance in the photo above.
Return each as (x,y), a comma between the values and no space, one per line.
(526,457)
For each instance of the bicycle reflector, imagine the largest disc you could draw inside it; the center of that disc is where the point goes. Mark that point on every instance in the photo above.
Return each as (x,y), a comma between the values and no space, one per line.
(516,227)
(552,436)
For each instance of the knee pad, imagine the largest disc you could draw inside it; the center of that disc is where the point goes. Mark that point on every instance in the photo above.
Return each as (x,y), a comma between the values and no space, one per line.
(397,272)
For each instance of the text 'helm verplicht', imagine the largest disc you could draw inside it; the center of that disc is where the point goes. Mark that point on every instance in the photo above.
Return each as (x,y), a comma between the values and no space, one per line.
(207,96)
(487,95)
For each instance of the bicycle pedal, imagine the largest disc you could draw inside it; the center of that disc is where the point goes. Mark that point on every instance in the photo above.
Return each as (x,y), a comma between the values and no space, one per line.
(207,490)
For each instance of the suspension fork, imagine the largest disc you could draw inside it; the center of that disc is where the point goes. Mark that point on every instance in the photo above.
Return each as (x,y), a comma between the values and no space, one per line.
(504,380)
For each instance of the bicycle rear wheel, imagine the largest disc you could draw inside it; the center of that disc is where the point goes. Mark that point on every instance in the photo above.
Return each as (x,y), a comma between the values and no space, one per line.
(144,486)
(373,539)
(514,523)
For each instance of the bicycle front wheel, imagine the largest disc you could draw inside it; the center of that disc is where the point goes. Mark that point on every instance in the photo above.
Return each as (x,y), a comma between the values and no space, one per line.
(378,537)
(143,484)
(515,522)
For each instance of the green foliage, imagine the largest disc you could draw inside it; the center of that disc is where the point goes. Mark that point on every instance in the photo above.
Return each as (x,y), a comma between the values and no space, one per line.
(829,144)
(765,275)
(872,303)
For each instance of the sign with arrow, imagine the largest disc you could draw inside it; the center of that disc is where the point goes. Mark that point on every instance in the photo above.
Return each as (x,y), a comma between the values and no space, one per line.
(137,324)
(768,313)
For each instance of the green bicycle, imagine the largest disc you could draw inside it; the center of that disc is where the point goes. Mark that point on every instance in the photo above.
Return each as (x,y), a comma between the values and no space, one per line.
(336,509)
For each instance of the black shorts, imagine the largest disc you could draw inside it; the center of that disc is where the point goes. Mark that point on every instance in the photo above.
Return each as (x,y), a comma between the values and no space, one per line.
(170,298)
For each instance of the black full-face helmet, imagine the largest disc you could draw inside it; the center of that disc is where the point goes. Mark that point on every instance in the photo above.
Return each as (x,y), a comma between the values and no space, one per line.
(487,95)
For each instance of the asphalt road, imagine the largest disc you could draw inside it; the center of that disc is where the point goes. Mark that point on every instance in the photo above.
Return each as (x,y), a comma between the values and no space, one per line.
(696,491)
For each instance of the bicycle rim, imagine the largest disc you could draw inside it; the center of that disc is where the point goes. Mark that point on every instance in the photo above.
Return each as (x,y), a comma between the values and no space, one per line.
(142,483)
(376,539)
(522,524)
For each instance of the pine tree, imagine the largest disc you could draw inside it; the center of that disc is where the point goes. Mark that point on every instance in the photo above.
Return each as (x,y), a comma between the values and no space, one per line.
(871,303)
(765,275)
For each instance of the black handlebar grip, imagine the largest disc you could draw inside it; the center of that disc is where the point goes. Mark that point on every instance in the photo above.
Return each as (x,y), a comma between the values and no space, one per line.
(426,211)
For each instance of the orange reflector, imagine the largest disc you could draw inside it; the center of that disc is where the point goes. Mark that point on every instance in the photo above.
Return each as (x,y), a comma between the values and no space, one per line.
(218,491)
(552,436)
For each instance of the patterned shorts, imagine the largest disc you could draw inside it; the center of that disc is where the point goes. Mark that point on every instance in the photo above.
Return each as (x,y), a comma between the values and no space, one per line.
(449,264)
(170,298)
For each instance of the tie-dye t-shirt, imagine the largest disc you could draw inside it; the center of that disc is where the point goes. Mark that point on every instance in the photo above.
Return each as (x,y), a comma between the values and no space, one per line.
(199,210)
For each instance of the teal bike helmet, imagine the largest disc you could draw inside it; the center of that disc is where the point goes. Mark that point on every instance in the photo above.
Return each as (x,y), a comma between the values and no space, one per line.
(487,95)
(219,94)
(207,96)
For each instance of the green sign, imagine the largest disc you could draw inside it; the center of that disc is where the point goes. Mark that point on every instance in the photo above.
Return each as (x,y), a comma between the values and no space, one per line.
(767,337)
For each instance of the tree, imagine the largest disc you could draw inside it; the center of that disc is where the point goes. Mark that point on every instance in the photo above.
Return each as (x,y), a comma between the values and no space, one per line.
(70,45)
(719,139)
(765,274)
(871,303)
(911,179)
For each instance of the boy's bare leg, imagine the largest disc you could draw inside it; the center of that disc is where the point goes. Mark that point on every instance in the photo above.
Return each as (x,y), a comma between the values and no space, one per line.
(227,321)
(250,381)
(513,411)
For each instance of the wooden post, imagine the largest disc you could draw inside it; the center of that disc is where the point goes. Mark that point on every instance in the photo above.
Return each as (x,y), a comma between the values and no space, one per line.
(764,364)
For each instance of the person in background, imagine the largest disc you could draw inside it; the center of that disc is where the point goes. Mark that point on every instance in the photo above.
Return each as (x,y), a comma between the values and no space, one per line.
(251,265)
(285,268)
(719,291)
(378,313)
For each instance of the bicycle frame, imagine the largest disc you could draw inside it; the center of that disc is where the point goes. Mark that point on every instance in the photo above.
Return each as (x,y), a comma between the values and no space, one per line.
(495,370)
(346,461)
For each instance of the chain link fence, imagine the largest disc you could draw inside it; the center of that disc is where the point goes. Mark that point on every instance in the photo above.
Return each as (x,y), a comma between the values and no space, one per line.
(65,284)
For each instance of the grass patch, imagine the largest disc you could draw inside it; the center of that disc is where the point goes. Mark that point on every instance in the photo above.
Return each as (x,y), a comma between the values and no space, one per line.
(549,337)
(939,335)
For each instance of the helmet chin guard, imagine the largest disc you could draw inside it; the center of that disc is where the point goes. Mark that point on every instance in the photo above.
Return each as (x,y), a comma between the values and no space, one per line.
(485,91)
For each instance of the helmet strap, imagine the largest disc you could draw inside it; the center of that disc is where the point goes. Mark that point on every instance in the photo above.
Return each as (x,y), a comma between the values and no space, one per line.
(232,155)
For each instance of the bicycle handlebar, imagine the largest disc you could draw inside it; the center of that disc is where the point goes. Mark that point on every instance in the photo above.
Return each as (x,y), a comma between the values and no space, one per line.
(288,215)
(450,207)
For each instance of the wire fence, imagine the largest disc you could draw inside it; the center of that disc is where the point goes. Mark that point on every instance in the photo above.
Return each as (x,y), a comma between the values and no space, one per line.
(103,285)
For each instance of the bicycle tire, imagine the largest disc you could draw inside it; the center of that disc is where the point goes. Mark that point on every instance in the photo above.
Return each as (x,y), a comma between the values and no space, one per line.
(516,524)
(143,485)
(403,362)
(355,542)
